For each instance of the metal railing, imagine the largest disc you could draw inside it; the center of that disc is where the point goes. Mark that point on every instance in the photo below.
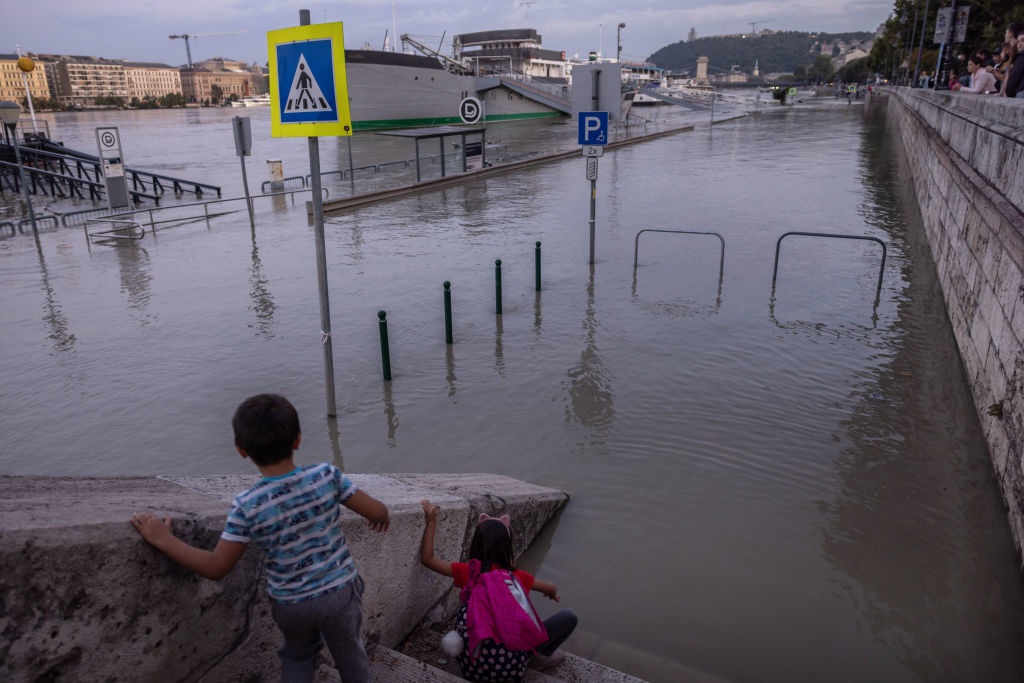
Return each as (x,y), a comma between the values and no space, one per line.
(72,215)
(721,254)
(270,183)
(881,269)
(125,231)
(39,219)
(38,178)
(8,224)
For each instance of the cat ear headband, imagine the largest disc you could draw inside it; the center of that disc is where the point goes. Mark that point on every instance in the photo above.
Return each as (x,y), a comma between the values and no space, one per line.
(504,519)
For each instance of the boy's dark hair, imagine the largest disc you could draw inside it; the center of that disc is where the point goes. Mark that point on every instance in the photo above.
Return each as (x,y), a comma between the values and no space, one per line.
(492,545)
(1015,28)
(266,426)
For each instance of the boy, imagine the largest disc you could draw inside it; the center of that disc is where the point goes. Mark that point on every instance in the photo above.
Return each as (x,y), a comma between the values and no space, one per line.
(292,514)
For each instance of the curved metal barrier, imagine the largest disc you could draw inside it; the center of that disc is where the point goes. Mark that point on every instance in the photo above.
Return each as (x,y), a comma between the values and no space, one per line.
(721,258)
(881,269)
(721,254)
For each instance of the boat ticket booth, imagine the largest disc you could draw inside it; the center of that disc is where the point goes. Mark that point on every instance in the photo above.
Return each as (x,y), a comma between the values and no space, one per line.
(473,153)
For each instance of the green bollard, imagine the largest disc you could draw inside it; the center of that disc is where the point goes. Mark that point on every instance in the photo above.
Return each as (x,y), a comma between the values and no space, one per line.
(447,312)
(497,286)
(385,353)
(536,267)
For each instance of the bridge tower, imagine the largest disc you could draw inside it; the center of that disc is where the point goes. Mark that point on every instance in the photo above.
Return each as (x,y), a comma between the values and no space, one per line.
(702,70)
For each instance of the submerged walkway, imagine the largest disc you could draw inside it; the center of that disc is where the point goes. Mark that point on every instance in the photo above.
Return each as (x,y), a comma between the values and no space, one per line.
(337,205)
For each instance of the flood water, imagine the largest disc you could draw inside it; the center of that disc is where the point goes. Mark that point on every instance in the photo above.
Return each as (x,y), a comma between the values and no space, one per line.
(787,487)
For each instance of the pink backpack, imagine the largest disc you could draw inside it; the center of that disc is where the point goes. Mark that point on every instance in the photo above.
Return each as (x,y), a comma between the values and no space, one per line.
(497,607)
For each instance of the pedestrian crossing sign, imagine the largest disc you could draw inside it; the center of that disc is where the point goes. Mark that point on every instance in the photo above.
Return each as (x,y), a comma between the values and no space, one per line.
(308,91)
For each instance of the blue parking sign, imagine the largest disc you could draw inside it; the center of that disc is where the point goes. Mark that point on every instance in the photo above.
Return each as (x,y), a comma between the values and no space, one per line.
(593,128)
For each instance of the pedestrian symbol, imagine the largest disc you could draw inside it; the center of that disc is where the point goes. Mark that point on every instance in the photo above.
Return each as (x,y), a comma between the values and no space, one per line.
(305,94)
(308,92)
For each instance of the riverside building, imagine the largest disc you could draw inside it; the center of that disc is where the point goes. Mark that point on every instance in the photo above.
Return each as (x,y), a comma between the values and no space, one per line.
(13,88)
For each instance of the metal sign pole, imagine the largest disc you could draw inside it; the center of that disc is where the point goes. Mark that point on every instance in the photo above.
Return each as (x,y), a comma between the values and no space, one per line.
(248,201)
(351,172)
(321,258)
(593,208)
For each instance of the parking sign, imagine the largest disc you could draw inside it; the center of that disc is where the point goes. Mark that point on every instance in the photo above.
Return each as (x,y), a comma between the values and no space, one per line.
(593,128)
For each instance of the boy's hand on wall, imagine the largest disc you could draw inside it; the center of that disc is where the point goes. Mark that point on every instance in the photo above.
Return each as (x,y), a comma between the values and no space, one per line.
(151,527)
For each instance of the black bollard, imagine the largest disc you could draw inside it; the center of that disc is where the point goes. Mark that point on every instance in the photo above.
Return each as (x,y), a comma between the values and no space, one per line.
(536,267)
(447,312)
(497,286)
(385,353)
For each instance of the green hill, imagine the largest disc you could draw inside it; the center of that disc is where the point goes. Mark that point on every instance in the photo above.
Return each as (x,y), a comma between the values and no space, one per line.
(778,52)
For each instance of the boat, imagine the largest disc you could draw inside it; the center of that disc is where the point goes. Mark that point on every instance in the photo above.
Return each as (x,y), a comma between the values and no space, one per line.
(509,71)
(253,101)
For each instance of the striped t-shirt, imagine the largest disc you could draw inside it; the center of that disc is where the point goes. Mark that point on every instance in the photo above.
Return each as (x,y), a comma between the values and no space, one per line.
(293,518)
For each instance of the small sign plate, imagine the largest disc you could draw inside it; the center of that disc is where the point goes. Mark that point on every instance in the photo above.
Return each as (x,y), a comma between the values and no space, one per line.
(593,151)
(591,168)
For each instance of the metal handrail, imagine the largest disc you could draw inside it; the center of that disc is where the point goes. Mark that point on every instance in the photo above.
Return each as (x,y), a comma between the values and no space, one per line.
(9,224)
(205,204)
(39,219)
(35,174)
(721,257)
(111,234)
(721,253)
(881,269)
(95,163)
(301,179)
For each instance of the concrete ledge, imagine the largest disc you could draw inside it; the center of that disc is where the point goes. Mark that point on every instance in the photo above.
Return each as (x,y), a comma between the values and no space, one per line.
(82,597)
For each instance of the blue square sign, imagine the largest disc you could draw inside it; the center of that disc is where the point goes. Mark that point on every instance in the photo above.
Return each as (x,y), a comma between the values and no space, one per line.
(593,128)
(305,76)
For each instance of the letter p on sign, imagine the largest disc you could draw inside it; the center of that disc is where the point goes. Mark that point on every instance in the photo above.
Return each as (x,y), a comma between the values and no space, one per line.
(593,128)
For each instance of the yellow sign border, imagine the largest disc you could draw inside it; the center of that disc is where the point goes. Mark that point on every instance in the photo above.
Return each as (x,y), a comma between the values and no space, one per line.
(343,126)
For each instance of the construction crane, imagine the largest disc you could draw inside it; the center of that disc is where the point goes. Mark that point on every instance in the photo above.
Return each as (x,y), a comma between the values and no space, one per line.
(186,36)
(753,25)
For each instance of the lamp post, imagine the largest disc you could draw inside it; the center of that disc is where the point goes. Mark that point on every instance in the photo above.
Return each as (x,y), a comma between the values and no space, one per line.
(618,42)
(9,114)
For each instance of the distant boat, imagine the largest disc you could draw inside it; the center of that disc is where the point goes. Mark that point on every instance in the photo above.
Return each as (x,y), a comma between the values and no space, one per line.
(253,101)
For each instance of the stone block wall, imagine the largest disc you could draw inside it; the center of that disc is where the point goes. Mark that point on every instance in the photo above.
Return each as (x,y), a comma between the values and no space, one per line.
(84,598)
(966,157)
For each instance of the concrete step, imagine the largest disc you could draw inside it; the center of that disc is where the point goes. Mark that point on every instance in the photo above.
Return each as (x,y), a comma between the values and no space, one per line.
(424,645)
(388,666)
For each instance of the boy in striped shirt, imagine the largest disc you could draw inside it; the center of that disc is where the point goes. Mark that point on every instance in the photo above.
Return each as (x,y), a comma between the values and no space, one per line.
(292,514)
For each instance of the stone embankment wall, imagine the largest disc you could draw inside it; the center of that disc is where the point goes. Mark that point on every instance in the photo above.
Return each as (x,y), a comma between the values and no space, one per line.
(84,598)
(966,159)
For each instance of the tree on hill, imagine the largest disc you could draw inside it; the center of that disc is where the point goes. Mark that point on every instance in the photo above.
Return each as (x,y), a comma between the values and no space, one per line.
(821,69)
(777,52)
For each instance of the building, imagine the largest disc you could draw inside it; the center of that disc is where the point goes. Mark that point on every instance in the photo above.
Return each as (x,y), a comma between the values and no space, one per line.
(77,80)
(692,35)
(147,79)
(199,85)
(12,87)
(516,50)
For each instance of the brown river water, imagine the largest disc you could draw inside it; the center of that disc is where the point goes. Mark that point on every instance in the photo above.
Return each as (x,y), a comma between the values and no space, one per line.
(787,488)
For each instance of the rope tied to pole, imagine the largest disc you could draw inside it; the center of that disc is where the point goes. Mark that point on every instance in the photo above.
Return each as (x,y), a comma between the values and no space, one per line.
(324,337)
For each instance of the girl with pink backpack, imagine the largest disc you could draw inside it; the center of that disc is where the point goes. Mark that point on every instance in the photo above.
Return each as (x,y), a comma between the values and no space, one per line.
(499,630)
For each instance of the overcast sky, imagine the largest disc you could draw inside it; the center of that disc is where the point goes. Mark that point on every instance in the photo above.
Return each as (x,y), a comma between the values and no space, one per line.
(138,29)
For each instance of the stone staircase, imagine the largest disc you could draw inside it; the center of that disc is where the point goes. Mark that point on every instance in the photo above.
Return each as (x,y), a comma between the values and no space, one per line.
(421,659)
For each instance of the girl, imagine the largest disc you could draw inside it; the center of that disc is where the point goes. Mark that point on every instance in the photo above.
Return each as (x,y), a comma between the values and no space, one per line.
(492,548)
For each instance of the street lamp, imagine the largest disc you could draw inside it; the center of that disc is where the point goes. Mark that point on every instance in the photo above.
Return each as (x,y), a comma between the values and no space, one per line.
(618,41)
(9,114)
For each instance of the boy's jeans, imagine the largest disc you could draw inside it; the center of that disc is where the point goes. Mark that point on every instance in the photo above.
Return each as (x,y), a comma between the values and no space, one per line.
(335,618)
